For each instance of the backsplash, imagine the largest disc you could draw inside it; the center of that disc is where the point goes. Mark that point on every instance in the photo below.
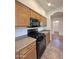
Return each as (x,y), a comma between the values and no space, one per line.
(42,28)
(19,31)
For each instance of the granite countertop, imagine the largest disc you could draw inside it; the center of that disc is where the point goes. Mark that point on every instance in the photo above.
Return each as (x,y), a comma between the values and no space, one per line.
(20,44)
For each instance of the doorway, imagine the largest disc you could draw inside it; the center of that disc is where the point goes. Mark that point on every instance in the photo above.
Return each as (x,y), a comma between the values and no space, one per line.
(57,29)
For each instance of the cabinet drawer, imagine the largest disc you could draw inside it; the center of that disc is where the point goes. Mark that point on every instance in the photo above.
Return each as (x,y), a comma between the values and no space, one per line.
(31,54)
(17,55)
(26,49)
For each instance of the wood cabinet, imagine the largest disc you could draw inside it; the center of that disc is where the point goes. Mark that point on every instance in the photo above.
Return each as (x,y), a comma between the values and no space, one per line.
(34,15)
(47,33)
(43,20)
(17,55)
(48,38)
(28,52)
(31,54)
(22,15)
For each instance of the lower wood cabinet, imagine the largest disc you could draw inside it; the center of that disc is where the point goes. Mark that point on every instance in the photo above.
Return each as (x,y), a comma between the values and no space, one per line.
(29,52)
(47,33)
(48,38)
(17,55)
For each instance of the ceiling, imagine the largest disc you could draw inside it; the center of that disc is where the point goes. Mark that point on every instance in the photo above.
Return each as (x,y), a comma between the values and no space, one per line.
(54,4)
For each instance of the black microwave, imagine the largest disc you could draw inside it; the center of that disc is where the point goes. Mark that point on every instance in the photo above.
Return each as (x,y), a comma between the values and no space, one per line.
(34,22)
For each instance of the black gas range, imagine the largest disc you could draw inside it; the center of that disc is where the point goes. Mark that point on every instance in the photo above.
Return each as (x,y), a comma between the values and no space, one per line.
(40,41)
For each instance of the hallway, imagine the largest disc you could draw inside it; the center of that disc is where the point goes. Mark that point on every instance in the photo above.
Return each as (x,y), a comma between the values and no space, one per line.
(54,50)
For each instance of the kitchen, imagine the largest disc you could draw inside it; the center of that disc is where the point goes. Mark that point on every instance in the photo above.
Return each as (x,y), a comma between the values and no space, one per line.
(34,29)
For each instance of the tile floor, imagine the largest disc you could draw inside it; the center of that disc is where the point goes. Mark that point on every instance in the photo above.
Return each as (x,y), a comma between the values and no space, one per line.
(54,50)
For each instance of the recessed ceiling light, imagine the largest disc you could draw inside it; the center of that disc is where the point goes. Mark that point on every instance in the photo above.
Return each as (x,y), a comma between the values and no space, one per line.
(49,4)
(56,21)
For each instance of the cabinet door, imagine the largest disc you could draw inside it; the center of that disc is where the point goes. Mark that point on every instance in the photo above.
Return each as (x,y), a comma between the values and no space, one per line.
(17,55)
(43,20)
(35,15)
(48,38)
(22,15)
(31,54)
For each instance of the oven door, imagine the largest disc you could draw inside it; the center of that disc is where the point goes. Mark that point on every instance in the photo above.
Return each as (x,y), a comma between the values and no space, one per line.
(41,45)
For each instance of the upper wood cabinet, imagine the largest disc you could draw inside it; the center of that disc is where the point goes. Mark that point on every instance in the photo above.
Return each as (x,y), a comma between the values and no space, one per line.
(22,15)
(43,20)
(34,15)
